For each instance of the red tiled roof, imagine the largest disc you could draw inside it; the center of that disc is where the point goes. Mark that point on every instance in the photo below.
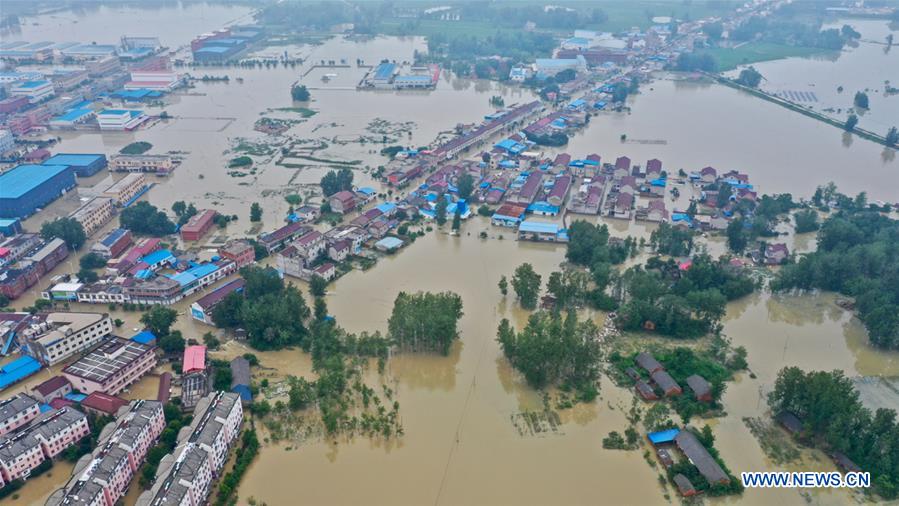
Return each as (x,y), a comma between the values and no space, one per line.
(103,402)
(51,385)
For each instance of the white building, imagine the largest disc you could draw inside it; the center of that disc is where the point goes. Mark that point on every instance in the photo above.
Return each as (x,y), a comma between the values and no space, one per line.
(7,141)
(62,335)
(36,91)
(160,80)
(120,119)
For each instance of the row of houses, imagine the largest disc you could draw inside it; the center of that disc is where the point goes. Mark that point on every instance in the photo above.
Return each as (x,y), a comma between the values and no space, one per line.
(42,439)
(663,381)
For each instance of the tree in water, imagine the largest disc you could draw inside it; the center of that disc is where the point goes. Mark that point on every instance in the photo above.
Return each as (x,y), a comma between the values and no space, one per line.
(440,211)
(892,137)
(255,212)
(299,93)
(851,121)
(503,285)
(861,100)
(526,283)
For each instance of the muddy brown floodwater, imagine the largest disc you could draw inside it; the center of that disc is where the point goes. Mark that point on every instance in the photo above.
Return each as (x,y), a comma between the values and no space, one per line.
(460,445)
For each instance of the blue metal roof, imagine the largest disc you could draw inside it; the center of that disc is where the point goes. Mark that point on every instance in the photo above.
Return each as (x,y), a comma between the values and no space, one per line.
(145,337)
(385,70)
(17,370)
(213,49)
(74,160)
(75,397)
(113,236)
(203,270)
(157,256)
(367,190)
(543,207)
(24,178)
(73,115)
(386,207)
(662,436)
(538,227)
(32,84)
(243,391)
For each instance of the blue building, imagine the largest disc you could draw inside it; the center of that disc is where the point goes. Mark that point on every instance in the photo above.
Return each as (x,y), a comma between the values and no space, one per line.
(26,188)
(84,165)
(10,227)
(240,379)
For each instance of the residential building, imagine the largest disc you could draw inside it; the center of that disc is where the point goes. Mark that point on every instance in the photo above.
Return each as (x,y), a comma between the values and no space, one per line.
(15,280)
(112,244)
(13,105)
(239,251)
(17,411)
(112,366)
(301,253)
(95,213)
(202,309)
(158,164)
(700,387)
(102,404)
(559,191)
(339,250)
(697,454)
(275,240)
(198,225)
(47,437)
(61,335)
(185,476)
(648,363)
(126,189)
(194,382)
(776,254)
(308,213)
(102,478)
(34,91)
(326,271)
(53,388)
(666,383)
(342,202)
(26,188)
(84,165)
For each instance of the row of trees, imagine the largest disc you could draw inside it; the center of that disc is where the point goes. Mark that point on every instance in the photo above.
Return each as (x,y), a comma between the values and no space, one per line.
(552,351)
(856,256)
(832,414)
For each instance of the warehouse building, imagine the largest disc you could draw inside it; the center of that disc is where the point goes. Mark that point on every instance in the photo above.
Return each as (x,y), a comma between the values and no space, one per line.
(26,188)
(120,119)
(84,165)
(35,91)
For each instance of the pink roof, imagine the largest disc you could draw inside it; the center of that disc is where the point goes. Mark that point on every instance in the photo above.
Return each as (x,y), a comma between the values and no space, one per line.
(623,162)
(194,359)
(708,171)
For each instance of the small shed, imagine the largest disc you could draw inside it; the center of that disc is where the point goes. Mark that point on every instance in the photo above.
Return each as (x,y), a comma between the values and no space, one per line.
(632,373)
(102,404)
(790,422)
(648,362)
(646,391)
(700,387)
(240,379)
(666,383)
(684,487)
(845,463)
(663,436)
(664,457)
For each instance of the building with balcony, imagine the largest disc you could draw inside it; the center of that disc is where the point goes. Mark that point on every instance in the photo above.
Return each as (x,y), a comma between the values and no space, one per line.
(95,213)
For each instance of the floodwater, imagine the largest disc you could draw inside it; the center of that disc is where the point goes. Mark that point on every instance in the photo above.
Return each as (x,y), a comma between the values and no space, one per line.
(865,66)
(691,125)
(460,446)
(105,24)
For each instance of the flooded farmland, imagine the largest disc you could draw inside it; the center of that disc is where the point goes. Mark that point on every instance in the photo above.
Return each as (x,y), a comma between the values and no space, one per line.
(461,444)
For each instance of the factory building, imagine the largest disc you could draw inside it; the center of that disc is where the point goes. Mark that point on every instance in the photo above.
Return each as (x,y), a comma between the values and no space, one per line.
(198,225)
(35,91)
(120,119)
(84,165)
(26,188)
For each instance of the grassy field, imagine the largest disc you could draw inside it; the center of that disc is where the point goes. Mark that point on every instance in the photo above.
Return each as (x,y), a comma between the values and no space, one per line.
(753,52)
(622,15)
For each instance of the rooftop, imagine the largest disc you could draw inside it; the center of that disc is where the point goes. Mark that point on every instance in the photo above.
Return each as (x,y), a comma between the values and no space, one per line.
(108,359)
(538,227)
(74,160)
(194,358)
(24,178)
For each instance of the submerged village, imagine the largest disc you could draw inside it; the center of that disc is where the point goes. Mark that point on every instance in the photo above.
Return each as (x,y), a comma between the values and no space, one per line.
(272,249)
